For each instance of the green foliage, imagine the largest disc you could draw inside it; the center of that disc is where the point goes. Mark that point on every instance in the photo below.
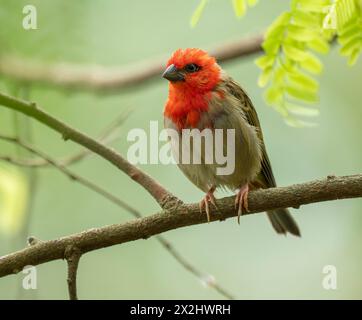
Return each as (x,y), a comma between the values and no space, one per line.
(349,28)
(195,18)
(345,10)
(240,8)
(290,63)
(13,199)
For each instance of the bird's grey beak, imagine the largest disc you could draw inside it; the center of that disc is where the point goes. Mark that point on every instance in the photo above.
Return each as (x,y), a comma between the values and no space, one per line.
(173,74)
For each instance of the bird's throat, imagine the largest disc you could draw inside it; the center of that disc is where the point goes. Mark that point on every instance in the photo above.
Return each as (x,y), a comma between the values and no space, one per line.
(184,107)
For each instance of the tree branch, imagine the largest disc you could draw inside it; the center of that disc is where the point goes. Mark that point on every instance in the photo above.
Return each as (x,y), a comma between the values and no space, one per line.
(332,188)
(159,193)
(111,79)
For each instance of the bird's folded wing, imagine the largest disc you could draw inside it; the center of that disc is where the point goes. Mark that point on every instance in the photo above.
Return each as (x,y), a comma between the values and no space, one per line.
(266,174)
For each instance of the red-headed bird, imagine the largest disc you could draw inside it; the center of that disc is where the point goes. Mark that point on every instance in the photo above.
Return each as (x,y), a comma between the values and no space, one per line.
(202,95)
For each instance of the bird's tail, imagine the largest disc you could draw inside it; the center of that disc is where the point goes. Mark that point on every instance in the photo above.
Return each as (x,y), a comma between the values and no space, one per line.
(283,222)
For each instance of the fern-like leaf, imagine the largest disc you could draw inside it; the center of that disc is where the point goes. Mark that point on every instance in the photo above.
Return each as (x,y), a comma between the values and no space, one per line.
(349,27)
(289,62)
(195,18)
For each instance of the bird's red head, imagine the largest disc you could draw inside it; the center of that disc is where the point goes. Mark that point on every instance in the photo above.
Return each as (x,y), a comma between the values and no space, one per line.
(192,69)
(193,74)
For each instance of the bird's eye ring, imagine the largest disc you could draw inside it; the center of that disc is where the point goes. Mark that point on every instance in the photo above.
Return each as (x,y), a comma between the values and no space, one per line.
(192,67)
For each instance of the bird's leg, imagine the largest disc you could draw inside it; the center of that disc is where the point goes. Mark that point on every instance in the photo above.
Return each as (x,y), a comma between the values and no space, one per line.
(209,197)
(241,200)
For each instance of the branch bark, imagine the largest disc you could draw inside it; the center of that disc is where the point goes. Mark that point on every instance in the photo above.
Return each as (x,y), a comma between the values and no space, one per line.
(97,78)
(332,188)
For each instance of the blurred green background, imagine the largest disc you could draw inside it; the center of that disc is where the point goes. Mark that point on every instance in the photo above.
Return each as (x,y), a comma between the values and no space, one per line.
(250,260)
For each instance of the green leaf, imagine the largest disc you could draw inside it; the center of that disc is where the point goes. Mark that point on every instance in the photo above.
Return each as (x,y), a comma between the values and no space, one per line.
(354,56)
(289,65)
(290,121)
(265,77)
(281,109)
(304,81)
(301,33)
(349,29)
(271,46)
(350,46)
(306,19)
(299,93)
(317,6)
(312,64)
(252,3)
(301,111)
(314,2)
(195,18)
(319,45)
(346,10)
(279,77)
(239,7)
(274,95)
(294,53)
(265,61)
(278,25)
(276,32)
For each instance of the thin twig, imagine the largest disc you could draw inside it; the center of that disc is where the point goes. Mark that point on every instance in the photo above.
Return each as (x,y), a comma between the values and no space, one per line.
(92,186)
(332,188)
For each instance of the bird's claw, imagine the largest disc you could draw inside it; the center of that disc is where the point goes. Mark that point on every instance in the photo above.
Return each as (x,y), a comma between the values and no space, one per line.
(204,203)
(241,200)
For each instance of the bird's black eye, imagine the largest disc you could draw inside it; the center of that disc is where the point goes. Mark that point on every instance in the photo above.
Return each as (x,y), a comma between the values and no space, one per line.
(192,67)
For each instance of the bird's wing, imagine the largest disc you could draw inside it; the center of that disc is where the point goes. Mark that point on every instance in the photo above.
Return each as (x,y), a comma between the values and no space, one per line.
(266,174)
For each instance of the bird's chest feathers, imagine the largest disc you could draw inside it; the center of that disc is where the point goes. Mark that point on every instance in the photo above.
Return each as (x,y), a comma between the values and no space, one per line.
(185,107)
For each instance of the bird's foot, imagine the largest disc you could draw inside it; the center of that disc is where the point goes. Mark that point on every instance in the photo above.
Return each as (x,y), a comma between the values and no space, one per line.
(204,203)
(241,200)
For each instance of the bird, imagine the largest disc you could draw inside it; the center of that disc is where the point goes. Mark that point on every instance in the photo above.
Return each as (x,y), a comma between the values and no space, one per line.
(201,95)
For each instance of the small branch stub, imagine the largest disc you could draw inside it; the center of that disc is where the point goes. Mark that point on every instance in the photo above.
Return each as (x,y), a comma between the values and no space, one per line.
(32,241)
(72,255)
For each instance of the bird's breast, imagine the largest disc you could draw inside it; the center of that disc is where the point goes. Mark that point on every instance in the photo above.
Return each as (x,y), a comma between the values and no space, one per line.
(225,113)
